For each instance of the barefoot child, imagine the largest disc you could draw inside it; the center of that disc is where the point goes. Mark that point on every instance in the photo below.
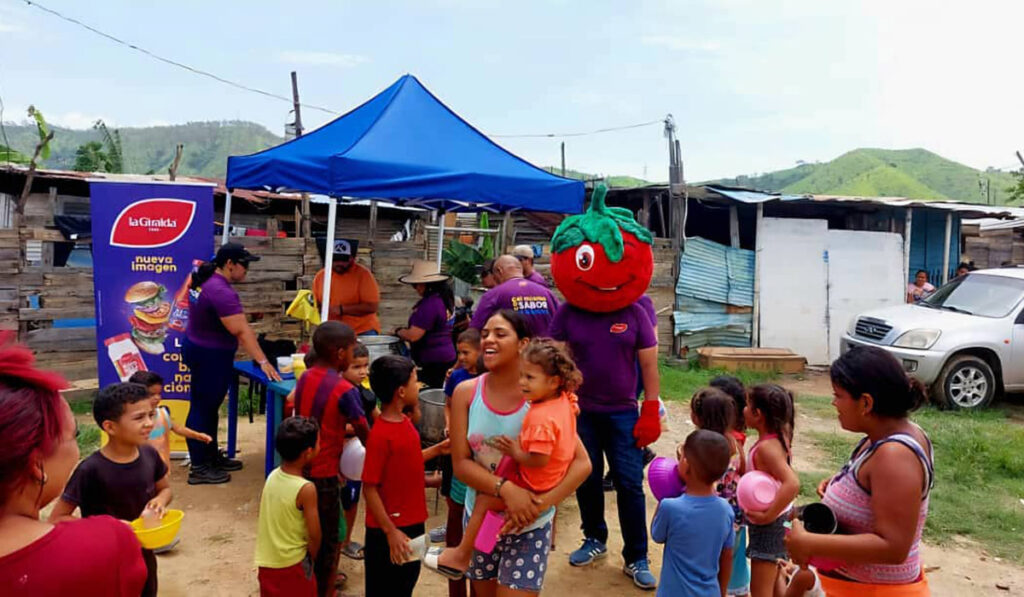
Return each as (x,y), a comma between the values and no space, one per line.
(544,449)
(393,481)
(697,527)
(769,410)
(289,525)
(126,477)
(163,424)
(715,410)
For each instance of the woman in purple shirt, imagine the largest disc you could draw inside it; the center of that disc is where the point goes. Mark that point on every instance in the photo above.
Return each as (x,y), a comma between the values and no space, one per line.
(216,326)
(429,332)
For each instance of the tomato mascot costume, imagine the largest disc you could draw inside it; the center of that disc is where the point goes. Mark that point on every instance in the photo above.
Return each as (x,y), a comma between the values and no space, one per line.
(602,263)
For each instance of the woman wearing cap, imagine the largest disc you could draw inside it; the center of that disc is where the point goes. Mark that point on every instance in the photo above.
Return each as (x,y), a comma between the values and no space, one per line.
(216,326)
(430,328)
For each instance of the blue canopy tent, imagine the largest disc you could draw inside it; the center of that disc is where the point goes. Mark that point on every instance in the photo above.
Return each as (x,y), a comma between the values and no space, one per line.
(403,145)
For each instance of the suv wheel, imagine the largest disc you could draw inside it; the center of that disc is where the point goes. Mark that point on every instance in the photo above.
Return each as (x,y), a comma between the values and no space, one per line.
(966,382)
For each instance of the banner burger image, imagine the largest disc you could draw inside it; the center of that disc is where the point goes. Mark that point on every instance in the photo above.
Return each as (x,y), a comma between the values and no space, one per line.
(150,313)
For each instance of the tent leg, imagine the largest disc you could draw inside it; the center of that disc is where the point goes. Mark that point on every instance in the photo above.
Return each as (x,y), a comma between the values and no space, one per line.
(227,218)
(332,214)
(440,240)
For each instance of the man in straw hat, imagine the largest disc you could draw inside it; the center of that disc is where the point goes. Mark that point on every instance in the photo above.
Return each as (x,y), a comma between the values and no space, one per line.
(429,332)
(531,300)
(354,292)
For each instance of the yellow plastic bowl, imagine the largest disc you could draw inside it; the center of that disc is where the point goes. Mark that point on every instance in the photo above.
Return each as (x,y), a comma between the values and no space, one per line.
(162,535)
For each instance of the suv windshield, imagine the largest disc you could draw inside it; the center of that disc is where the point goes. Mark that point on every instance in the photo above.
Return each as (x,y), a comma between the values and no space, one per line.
(978,294)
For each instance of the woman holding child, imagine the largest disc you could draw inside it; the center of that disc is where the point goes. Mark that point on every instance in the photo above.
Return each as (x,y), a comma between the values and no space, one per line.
(484,410)
(38,434)
(880,497)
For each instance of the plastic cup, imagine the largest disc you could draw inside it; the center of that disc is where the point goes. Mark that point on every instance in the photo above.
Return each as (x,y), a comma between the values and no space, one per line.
(487,538)
(756,491)
(819,519)
(418,547)
(663,478)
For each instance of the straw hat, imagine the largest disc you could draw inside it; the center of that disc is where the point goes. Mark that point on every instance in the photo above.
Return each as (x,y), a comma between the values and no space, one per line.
(423,272)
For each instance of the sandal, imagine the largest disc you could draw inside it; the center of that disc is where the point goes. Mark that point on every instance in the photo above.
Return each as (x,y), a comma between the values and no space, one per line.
(353,551)
(430,561)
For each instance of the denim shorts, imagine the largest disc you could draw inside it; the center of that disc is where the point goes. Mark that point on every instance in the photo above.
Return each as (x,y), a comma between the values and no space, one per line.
(518,561)
(767,542)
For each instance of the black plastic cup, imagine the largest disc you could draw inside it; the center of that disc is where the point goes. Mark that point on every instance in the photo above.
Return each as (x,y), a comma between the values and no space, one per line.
(819,519)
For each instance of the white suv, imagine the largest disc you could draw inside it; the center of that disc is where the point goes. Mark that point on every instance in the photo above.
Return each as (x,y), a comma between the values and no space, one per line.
(966,340)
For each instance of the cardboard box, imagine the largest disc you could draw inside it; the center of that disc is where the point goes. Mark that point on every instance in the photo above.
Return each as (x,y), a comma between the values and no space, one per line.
(781,360)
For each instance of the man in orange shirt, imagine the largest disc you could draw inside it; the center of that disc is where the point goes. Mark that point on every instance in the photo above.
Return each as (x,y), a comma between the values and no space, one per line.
(354,292)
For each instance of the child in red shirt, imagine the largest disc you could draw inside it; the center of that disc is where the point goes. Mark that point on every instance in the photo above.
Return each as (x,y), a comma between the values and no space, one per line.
(393,482)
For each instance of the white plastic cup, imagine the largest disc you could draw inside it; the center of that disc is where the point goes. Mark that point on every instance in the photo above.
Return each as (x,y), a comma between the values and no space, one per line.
(418,547)
(284,364)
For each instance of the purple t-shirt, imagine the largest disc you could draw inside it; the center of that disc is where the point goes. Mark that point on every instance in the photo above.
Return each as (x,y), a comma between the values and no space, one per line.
(648,306)
(436,344)
(605,347)
(536,277)
(216,299)
(531,300)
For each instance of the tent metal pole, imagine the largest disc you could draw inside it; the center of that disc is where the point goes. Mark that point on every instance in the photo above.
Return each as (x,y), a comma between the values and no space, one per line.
(440,239)
(332,213)
(227,218)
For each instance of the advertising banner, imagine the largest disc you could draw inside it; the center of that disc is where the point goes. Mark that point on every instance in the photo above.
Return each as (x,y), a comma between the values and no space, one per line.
(147,237)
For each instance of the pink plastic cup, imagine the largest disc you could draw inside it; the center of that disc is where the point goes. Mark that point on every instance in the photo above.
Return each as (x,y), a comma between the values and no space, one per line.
(756,491)
(487,538)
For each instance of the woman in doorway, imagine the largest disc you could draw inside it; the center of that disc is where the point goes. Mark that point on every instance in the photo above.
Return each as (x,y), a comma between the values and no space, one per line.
(430,327)
(216,326)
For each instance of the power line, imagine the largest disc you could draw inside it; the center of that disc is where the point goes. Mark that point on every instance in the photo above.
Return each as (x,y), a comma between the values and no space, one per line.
(237,85)
(584,133)
(191,69)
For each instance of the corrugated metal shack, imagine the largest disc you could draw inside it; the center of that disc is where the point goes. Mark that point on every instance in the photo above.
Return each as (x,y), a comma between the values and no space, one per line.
(771,270)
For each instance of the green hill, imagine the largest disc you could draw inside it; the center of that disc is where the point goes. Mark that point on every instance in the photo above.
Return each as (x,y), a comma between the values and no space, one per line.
(627,182)
(151,149)
(913,173)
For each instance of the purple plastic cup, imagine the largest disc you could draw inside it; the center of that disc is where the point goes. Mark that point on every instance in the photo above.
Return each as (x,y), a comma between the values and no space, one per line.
(663,477)
(487,538)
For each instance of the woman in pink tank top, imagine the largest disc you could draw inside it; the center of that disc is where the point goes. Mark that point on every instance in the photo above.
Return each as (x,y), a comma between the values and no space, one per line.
(880,497)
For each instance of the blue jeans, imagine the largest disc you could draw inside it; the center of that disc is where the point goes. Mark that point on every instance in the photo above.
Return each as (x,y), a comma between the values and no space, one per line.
(611,435)
(212,372)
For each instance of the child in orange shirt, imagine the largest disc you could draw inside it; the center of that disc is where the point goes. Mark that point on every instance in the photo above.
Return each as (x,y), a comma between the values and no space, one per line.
(540,458)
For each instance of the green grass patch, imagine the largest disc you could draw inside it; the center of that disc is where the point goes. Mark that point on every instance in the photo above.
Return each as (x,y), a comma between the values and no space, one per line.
(88,438)
(681,381)
(979,477)
(81,407)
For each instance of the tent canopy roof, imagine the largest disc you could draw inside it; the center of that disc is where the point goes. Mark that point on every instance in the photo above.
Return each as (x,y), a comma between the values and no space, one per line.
(404,145)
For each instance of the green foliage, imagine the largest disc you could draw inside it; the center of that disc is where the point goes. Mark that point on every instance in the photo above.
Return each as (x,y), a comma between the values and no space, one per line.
(42,130)
(487,245)
(112,145)
(88,438)
(615,182)
(1016,191)
(13,156)
(979,476)
(913,173)
(90,157)
(600,224)
(461,261)
(681,381)
(151,149)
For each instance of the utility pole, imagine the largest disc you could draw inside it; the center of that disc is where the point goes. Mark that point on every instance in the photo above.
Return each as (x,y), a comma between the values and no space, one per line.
(306,228)
(563,159)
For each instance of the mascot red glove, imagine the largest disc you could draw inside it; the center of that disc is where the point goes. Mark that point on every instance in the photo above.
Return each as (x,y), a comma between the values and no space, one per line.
(648,427)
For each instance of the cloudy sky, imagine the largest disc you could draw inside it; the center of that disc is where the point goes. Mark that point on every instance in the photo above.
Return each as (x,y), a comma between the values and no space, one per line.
(754,85)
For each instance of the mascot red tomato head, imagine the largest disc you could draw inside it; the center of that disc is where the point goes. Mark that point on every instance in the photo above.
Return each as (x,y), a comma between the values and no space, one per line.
(601,260)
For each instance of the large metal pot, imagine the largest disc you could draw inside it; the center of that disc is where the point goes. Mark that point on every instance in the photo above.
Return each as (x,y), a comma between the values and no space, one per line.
(381,345)
(431,425)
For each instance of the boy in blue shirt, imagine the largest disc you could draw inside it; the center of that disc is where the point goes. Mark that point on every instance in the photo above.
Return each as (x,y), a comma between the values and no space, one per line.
(696,527)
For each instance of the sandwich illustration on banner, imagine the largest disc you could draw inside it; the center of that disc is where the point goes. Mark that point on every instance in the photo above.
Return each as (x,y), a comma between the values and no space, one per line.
(150,314)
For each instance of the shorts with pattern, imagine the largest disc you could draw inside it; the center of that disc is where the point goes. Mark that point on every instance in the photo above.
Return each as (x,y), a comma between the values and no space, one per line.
(767,541)
(518,561)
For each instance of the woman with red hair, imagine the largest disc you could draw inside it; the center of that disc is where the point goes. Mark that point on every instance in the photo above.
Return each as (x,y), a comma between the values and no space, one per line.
(99,555)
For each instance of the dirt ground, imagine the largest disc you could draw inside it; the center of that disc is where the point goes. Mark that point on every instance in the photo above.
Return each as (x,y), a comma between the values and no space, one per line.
(218,536)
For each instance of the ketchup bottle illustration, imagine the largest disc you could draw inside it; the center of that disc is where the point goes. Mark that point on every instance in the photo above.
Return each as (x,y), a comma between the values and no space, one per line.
(179,312)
